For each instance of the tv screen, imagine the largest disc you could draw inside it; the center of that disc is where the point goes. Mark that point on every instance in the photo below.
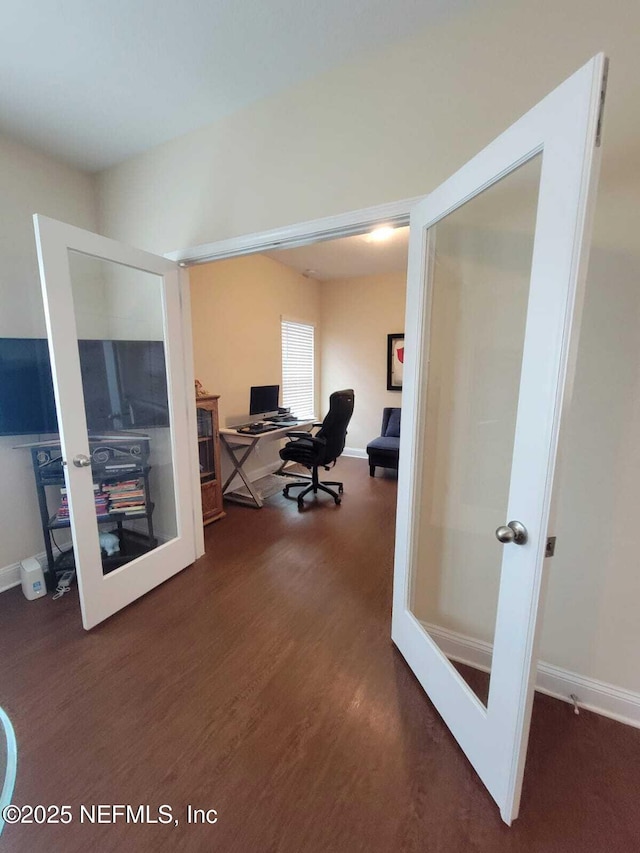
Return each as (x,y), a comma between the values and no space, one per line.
(264,398)
(26,388)
(124,385)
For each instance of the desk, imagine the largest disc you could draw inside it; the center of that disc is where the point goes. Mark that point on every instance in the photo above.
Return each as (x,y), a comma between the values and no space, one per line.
(240,446)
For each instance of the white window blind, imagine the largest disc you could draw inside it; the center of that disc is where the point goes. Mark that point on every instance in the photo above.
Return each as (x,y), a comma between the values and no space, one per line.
(298,368)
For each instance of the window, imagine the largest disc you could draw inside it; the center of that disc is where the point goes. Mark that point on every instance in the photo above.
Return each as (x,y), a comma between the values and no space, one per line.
(298,367)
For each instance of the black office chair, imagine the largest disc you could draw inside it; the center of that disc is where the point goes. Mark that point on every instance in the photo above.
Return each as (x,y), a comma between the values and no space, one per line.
(312,451)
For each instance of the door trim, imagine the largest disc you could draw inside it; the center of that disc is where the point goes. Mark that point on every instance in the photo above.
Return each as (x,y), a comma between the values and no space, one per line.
(189,381)
(353,222)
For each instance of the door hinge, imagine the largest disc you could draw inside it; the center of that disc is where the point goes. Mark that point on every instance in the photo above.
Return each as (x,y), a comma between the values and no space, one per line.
(550,550)
(603,92)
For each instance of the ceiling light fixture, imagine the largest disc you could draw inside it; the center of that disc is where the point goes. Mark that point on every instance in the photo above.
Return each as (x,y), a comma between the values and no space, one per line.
(380,233)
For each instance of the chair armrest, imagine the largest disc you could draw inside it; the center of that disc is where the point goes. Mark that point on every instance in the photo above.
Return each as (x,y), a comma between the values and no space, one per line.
(307,438)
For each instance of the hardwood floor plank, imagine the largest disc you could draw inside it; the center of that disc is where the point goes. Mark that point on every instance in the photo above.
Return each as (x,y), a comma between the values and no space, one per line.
(262,682)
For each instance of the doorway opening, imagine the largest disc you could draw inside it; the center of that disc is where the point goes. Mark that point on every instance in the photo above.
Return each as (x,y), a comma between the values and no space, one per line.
(349,291)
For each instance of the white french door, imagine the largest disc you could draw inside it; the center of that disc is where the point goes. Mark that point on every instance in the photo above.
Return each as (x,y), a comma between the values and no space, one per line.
(496,267)
(124,399)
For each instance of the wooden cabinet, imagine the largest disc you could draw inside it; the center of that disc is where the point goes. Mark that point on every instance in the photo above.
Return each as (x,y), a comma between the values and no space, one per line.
(209,456)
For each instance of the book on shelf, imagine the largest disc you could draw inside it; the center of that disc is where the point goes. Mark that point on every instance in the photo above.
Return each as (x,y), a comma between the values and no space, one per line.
(126,497)
(122,486)
(100,499)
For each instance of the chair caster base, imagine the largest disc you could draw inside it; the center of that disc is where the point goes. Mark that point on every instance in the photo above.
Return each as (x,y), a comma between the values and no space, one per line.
(314,487)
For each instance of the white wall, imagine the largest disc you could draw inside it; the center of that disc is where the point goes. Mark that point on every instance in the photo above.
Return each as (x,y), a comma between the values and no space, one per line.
(394,126)
(30,183)
(357,315)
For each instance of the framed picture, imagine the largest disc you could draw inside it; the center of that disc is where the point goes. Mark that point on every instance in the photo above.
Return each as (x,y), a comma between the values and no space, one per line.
(395,361)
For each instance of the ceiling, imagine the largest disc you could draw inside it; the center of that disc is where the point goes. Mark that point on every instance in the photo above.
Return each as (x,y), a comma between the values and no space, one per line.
(348,257)
(94,83)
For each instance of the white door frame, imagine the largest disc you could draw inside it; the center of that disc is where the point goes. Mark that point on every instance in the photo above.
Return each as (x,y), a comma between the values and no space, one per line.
(301,234)
(396,213)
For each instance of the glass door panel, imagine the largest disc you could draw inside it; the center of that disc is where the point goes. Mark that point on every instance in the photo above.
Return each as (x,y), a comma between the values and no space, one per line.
(121,346)
(480,278)
(206,453)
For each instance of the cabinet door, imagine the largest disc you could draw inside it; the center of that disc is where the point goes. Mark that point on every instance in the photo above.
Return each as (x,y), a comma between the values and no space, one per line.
(126,303)
(209,458)
(206,438)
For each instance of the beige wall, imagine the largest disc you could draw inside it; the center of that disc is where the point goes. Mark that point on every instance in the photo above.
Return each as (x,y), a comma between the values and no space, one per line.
(29,183)
(394,126)
(357,315)
(237,306)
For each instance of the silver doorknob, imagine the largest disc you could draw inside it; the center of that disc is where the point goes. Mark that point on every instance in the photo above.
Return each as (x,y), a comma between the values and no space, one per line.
(81,461)
(515,532)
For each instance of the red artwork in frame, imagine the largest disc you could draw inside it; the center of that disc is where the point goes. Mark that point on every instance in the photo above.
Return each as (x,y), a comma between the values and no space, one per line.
(395,361)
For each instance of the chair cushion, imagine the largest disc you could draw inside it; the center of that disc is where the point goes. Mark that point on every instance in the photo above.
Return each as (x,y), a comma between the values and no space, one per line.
(384,442)
(393,427)
(303,451)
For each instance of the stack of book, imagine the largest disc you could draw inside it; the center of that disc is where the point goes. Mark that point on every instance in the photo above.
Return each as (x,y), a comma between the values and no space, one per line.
(126,497)
(101,501)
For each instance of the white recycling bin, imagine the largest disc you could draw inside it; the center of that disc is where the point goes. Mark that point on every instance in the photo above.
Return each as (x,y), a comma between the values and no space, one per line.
(32,578)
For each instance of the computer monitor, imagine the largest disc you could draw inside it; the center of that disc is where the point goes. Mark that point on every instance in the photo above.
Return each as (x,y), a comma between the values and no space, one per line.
(264,399)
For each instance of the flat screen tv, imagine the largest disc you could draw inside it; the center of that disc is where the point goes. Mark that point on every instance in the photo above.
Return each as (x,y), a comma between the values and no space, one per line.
(263,399)
(124,385)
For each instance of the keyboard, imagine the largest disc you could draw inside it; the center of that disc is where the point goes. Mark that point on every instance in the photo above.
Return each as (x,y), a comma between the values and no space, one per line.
(257,429)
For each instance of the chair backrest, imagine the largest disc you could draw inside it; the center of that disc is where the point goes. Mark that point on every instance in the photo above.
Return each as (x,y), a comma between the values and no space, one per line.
(334,426)
(391,422)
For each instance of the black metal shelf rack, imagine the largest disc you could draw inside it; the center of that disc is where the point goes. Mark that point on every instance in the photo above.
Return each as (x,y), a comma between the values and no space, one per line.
(113,458)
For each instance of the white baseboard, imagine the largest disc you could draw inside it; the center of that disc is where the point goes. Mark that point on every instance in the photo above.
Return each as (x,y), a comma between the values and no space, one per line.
(355,452)
(9,577)
(598,696)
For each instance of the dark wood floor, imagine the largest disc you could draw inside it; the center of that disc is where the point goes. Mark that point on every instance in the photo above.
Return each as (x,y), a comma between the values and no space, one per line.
(262,683)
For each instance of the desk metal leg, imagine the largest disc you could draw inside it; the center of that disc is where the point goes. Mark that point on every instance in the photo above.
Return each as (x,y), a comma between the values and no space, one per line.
(238,462)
